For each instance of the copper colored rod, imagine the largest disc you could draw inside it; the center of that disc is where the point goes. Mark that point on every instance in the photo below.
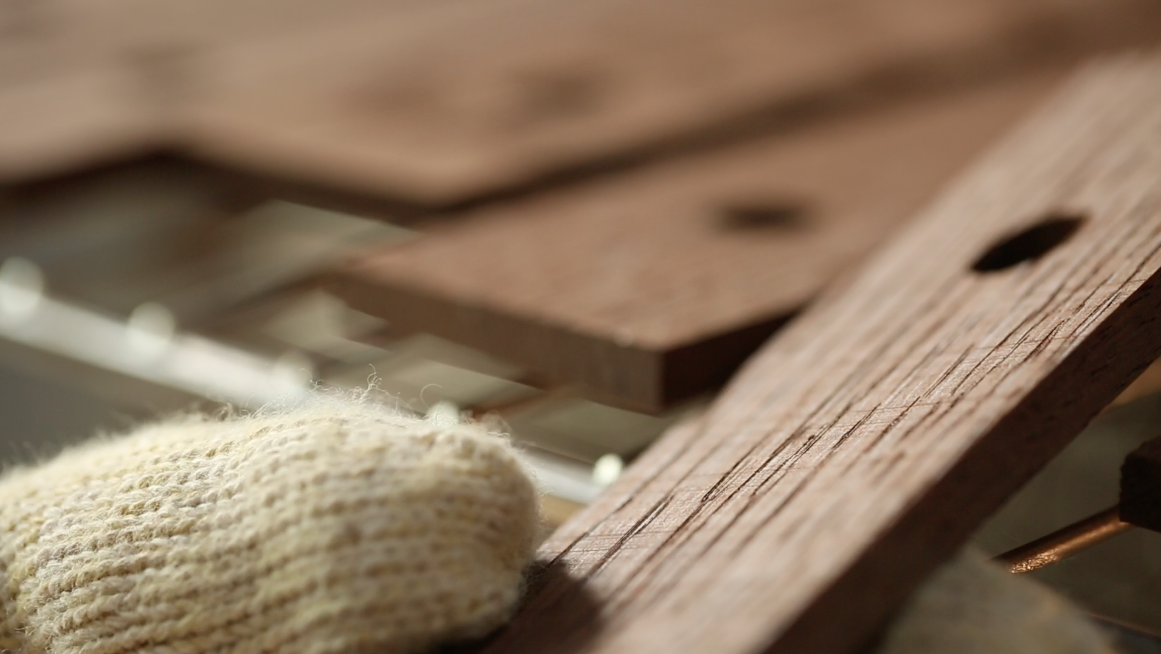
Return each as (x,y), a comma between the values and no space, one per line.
(1063,543)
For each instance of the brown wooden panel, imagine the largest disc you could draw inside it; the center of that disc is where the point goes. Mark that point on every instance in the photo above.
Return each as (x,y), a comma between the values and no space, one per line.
(1141,486)
(86,82)
(68,121)
(865,443)
(654,286)
(39,40)
(441,101)
(439,106)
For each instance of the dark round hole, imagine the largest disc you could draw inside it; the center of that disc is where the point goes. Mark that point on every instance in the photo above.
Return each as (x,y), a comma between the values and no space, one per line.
(1029,244)
(756,216)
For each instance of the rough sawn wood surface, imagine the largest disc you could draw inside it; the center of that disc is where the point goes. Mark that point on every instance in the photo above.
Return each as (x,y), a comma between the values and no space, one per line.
(861,447)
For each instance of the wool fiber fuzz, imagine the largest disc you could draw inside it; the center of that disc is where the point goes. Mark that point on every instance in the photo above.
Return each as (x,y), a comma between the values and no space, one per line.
(334,527)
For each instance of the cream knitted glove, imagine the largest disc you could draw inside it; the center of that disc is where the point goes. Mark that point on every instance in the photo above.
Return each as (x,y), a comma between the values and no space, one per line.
(342,527)
(337,527)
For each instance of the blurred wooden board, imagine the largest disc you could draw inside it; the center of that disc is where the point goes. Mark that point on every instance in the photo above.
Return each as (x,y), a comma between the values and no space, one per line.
(656,285)
(62,123)
(861,447)
(439,107)
(86,82)
(436,103)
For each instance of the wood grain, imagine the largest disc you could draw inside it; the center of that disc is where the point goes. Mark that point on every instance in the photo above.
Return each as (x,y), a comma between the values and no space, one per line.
(862,446)
(652,287)
(1147,384)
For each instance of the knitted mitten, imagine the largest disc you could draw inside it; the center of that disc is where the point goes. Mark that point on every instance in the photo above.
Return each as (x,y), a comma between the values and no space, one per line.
(974,606)
(337,527)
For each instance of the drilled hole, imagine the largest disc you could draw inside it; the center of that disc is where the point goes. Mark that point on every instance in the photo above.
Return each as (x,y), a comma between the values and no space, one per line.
(1029,244)
(761,216)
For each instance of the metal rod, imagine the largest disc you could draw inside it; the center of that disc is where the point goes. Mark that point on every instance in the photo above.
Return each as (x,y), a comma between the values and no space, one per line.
(1063,543)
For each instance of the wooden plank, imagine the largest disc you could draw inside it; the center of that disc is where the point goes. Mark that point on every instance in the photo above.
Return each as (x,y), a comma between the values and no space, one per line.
(1141,486)
(74,120)
(45,40)
(88,82)
(440,102)
(862,446)
(1147,384)
(441,107)
(652,287)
